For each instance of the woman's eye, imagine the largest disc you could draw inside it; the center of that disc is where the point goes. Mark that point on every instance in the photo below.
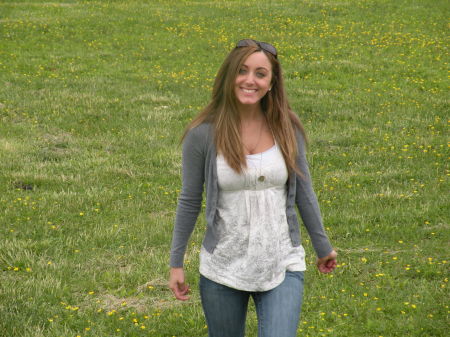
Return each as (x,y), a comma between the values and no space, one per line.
(242,71)
(261,75)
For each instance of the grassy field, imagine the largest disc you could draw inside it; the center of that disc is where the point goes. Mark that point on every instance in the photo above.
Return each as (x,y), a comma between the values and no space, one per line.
(94,96)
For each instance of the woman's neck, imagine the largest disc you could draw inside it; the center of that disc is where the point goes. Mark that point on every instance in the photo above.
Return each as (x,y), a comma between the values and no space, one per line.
(250,112)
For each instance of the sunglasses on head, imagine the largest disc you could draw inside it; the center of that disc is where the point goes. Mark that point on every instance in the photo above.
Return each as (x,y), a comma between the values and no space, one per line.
(263,45)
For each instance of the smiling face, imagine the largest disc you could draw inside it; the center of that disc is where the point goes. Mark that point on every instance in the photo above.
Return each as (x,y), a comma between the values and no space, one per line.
(254,79)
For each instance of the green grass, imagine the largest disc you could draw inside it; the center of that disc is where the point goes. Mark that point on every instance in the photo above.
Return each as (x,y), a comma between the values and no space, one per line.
(94,96)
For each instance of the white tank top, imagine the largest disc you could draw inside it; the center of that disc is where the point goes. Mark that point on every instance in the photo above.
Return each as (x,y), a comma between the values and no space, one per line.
(254,250)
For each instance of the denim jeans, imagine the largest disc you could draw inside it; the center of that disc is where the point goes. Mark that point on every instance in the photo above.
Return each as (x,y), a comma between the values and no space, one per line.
(278,310)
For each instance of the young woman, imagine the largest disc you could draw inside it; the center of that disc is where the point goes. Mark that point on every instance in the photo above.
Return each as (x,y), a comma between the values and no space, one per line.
(247,148)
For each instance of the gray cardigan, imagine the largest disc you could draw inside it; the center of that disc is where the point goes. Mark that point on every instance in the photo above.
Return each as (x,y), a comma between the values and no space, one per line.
(199,168)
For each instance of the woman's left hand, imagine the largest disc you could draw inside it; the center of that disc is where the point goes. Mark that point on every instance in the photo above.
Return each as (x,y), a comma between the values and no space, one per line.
(327,263)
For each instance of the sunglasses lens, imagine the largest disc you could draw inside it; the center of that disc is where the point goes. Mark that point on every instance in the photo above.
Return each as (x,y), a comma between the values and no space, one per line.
(245,43)
(268,47)
(263,45)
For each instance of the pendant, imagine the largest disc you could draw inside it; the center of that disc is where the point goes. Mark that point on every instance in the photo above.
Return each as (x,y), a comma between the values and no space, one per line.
(261,178)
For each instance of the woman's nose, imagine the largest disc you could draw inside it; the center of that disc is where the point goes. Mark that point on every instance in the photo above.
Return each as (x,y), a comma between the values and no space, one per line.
(249,78)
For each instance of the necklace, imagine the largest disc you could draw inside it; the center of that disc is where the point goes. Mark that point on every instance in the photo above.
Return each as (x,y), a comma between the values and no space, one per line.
(261,177)
(250,151)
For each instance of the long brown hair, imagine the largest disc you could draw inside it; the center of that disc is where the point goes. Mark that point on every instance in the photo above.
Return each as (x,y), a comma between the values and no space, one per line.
(223,114)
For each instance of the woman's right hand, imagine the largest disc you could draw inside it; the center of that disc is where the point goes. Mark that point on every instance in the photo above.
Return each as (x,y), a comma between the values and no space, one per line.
(177,284)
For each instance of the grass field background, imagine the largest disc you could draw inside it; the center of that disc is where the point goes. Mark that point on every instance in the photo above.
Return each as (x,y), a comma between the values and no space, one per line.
(94,96)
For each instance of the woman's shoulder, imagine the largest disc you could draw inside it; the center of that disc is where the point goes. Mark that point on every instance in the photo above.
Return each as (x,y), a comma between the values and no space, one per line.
(299,135)
(299,131)
(301,139)
(199,135)
(202,130)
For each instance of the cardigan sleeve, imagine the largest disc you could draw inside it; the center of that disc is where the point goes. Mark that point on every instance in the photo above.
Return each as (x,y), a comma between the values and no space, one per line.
(190,198)
(308,205)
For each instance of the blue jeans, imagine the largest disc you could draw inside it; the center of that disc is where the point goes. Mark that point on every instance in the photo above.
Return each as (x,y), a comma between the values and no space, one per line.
(278,310)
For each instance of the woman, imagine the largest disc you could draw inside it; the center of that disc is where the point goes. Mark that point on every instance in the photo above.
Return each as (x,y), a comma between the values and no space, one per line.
(248,149)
